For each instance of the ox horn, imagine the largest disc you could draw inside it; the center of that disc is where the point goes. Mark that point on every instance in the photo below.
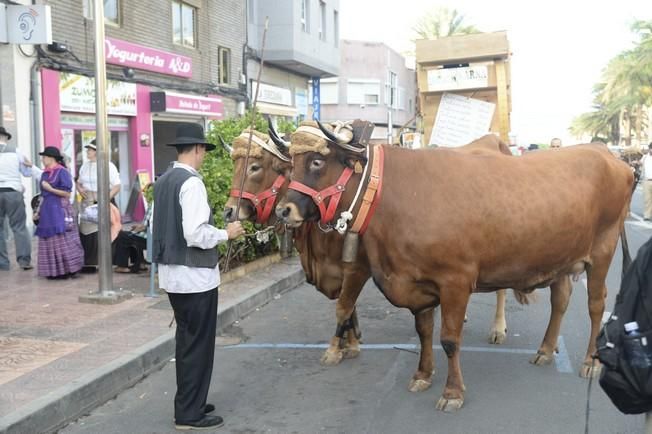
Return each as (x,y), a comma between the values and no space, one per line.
(224,145)
(335,138)
(278,141)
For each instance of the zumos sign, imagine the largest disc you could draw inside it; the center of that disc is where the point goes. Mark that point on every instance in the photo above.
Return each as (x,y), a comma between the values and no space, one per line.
(149,59)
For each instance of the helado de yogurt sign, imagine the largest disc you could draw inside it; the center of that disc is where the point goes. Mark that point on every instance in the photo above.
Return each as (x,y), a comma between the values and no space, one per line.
(124,53)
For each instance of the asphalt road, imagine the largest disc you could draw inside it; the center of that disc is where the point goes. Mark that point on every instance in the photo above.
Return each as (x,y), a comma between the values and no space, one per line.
(272,380)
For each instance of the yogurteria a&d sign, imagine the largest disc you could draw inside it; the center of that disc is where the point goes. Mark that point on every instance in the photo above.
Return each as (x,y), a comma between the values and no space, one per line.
(150,59)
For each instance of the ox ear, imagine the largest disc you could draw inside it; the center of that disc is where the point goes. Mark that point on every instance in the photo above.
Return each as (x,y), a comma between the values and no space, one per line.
(352,160)
(282,167)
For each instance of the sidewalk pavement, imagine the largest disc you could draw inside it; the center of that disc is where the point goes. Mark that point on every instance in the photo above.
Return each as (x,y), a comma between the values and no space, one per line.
(60,358)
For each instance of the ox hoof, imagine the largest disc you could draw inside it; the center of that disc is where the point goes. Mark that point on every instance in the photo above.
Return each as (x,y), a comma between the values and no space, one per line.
(497,336)
(541,359)
(419,385)
(588,370)
(449,405)
(351,353)
(331,358)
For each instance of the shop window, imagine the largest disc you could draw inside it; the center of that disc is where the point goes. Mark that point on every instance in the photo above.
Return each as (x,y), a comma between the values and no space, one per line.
(111,11)
(183,24)
(328,90)
(224,66)
(363,92)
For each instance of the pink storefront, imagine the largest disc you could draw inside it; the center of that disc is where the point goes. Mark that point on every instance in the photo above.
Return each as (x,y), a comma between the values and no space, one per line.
(141,119)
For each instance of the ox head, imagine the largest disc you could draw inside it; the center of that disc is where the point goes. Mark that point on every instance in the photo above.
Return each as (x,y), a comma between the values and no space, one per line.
(320,154)
(265,175)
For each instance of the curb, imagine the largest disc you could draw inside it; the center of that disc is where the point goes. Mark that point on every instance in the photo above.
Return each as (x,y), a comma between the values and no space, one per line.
(56,409)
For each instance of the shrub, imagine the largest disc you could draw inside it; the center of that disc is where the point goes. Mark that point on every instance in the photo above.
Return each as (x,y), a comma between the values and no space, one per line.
(217,172)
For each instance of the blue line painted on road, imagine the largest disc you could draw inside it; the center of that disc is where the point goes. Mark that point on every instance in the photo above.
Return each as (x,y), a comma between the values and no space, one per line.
(562,361)
(413,347)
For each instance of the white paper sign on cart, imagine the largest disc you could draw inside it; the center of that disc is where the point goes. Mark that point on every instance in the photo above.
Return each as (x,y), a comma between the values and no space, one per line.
(460,120)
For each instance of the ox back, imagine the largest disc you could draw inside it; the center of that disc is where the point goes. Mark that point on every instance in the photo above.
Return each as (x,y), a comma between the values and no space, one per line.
(509,222)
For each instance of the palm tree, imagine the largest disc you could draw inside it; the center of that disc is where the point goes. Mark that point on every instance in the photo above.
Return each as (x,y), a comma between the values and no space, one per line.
(624,94)
(442,22)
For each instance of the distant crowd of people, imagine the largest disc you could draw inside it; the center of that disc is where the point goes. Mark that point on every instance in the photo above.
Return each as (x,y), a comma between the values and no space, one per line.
(67,229)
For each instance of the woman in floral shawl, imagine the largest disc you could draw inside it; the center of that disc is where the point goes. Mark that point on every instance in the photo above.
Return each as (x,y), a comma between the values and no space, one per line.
(60,253)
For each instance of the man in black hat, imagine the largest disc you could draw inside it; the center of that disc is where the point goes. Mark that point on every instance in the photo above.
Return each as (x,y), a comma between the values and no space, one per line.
(184,247)
(12,205)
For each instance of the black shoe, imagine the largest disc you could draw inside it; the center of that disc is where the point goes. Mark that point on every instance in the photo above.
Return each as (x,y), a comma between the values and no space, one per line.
(27,267)
(205,423)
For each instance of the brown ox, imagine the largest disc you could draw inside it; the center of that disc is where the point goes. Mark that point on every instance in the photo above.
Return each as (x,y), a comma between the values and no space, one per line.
(449,224)
(321,252)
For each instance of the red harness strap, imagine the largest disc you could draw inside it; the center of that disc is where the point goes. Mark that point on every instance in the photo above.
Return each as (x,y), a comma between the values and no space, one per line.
(263,199)
(372,193)
(319,197)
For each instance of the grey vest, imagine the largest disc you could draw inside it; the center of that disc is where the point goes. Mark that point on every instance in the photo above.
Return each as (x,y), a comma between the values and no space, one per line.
(168,244)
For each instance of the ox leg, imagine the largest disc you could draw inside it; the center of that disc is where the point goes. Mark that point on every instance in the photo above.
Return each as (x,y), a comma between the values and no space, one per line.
(351,348)
(347,322)
(597,292)
(498,332)
(454,301)
(424,323)
(560,292)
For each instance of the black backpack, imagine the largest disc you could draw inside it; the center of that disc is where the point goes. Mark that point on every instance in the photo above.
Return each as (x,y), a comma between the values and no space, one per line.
(628,387)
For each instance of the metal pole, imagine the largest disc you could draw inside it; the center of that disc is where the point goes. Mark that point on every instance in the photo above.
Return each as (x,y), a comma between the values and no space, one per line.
(104,235)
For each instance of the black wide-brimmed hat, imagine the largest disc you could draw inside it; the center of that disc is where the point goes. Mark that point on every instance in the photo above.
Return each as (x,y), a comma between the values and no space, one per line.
(191,134)
(51,151)
(4,132)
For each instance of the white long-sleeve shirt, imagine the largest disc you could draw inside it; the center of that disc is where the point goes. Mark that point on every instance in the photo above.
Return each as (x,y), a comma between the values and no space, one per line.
(88,175)
(197,232)
(12,165)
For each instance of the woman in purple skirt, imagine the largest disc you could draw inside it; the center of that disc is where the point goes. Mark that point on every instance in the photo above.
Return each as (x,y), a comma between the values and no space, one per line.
(60,253)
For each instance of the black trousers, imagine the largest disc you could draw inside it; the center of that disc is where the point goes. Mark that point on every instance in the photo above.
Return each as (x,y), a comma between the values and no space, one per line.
(196,317)
(129,247)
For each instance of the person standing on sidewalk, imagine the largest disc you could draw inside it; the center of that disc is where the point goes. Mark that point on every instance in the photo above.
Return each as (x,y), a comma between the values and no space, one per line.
(184,247)
(87,189)
(60,253)
(646,163)
(12,204)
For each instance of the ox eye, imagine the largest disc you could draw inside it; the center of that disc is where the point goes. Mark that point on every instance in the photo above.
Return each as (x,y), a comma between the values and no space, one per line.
(317,164)
(254,168)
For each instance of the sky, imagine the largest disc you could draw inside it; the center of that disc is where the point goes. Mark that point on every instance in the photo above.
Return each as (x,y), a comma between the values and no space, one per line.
(559,48)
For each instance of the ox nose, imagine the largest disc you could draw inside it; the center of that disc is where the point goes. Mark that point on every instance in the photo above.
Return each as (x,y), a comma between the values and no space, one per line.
(282,212)
(228,214)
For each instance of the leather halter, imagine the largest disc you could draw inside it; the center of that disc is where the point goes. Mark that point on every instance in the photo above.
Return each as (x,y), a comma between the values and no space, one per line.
(319,197)
(264,202)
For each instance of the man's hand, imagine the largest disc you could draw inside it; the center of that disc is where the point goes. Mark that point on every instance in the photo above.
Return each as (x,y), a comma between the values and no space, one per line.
(234,230)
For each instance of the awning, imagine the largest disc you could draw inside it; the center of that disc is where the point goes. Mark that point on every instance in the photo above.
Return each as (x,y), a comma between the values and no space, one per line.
(276,109)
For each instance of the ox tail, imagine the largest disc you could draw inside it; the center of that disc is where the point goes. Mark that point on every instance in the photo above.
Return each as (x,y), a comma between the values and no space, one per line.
(627,259)
(523,297)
